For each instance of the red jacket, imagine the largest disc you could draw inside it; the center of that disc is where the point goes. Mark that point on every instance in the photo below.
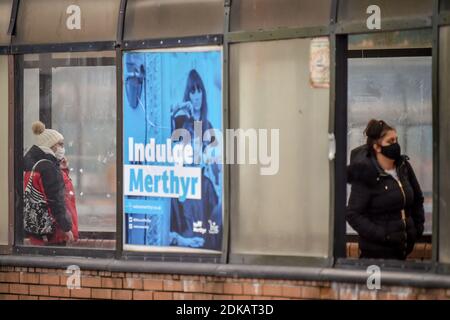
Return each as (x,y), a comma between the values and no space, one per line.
(59,236)
(71,202)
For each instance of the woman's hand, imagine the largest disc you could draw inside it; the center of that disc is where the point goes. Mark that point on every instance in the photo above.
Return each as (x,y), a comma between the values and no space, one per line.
(179,240)
(194,242)
(185,106)
(64,164)
(69,237)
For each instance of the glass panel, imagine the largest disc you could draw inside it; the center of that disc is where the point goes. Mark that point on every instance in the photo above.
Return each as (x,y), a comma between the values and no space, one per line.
(5,15)
(146,19)
(286,213)
(76,96)
(445,5)
(251,15)
(4,147)
(397,90)
(444,124)
(356,10)
(62,21)
(31,104)
(421,38)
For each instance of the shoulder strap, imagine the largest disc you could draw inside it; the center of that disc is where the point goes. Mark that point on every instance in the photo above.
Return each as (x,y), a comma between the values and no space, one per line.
(34,167)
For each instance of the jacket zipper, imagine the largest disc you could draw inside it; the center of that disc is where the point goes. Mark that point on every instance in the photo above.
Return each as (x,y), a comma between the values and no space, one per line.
(404,196)
(404,201)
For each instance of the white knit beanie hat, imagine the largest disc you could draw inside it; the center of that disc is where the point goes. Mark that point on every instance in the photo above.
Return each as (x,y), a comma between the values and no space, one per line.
(45,137)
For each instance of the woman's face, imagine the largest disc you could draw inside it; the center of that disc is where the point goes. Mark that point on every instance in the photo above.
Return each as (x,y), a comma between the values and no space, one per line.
(390,138)
(60,144)
(196,97)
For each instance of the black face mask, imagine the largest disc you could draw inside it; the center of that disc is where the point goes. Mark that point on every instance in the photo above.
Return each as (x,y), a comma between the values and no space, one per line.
(392,151)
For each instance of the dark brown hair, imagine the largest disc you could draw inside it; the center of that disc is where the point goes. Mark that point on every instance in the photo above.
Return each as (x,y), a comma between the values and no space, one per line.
(376,130)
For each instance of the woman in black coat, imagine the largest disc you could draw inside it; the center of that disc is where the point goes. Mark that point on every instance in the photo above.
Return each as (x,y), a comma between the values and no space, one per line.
(386,202)
(45,157)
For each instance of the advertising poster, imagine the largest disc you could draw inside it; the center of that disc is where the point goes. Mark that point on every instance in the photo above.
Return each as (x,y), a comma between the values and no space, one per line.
(172,109)
(319,64)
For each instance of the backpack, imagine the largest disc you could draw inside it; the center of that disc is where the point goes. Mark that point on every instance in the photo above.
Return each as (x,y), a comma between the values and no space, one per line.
(37,219)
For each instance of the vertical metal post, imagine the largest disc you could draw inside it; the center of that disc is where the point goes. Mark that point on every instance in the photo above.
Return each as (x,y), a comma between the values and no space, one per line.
(436,129)
(226,124)
(119,155)
(18,148)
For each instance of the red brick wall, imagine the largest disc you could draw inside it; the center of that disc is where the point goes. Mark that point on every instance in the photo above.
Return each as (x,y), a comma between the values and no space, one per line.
(37,283)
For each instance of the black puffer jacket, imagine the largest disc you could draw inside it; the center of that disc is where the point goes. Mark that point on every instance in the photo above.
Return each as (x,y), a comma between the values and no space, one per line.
(53,183)
(376,203)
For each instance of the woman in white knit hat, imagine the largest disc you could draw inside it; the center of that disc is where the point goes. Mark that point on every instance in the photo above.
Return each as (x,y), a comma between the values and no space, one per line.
(43,160)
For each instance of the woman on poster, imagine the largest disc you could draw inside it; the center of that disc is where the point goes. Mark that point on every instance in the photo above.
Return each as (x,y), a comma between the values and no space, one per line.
(197,223)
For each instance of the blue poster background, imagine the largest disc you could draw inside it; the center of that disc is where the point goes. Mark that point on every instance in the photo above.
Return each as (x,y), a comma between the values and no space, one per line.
(154,83)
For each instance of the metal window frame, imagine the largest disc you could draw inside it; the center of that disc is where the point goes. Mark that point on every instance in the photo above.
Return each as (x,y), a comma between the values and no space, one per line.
(225,125)
(7,249)
(119,154)
(18,147)
(388,53)
(444,18)
(341,261)
(45,116)
(121,22)
(389,24)
(236,37)
(19,65)
(177,42)
(157,256)
(443,21)
(12,20)
(167,43)
(119,47)
(45,66)
(338,128)
(72,62)
(436,133)
(394,24)
(62,47)
(5,49)
(51,47)
(338,34)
